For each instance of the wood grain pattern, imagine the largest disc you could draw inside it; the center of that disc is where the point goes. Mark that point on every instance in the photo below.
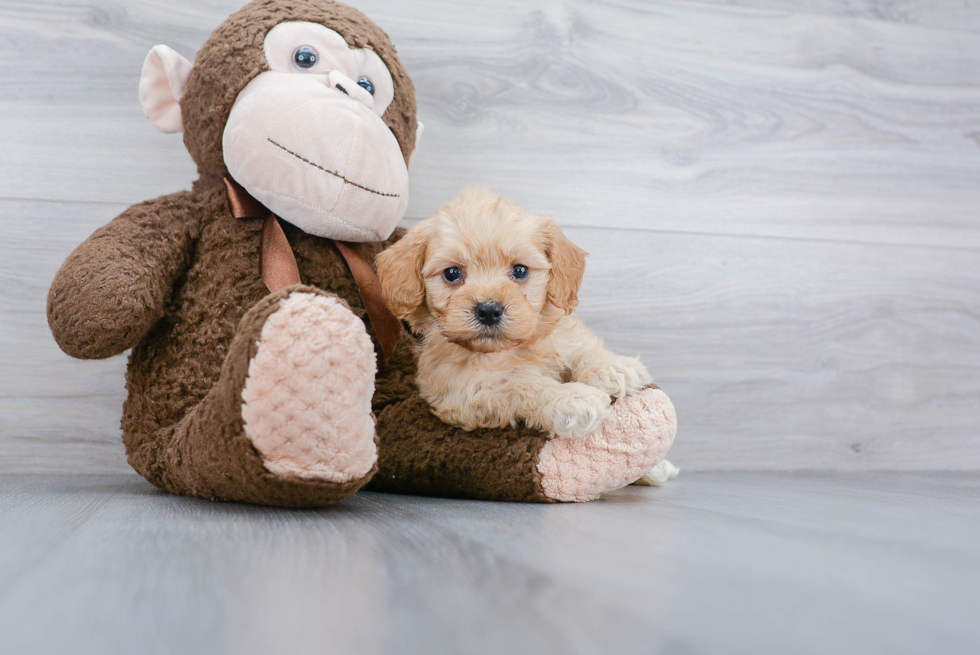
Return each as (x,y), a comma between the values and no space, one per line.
(636,115)
(945,14)
(712,563)
(780,200)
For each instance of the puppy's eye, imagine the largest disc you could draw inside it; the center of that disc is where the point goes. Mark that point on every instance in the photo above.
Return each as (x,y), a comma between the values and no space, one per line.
(452,274)
(520,272)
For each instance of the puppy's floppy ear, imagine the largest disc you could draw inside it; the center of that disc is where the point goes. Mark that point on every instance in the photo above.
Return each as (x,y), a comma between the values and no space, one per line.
(400,272)
(567,268)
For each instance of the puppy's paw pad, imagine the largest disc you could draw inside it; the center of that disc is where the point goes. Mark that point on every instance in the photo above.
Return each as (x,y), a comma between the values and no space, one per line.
(580,411)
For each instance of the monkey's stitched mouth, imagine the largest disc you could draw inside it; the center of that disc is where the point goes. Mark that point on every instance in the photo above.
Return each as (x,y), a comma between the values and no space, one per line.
(334,173)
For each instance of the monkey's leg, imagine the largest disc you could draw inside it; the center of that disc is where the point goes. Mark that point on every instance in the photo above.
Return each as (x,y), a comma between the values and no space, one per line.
(419,454)
(289,420)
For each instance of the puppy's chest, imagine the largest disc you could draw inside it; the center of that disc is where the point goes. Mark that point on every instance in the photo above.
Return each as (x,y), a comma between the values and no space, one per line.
(544,358)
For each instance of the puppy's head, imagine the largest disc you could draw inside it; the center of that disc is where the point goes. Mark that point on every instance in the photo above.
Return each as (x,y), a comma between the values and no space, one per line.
(483,272)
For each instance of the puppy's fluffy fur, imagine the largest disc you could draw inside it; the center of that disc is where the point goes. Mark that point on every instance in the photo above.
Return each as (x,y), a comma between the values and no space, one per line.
(538,365)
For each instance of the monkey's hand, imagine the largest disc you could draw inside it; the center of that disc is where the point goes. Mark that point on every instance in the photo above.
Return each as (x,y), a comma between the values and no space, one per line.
(113,288)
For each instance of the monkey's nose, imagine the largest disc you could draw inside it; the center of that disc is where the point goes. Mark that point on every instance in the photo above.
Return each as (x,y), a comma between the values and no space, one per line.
(344,84)
(489,313)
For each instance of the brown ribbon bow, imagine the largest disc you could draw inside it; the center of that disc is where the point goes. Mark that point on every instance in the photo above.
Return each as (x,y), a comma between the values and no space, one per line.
(278,269)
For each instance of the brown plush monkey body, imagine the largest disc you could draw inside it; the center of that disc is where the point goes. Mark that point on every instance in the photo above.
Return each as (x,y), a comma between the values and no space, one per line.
(177,279)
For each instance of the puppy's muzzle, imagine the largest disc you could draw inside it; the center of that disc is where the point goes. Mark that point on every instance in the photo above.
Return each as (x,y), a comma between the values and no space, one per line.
(489,314)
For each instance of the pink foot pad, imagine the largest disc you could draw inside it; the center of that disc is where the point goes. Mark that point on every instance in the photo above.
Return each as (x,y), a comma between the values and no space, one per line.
(307,397)
(628,444)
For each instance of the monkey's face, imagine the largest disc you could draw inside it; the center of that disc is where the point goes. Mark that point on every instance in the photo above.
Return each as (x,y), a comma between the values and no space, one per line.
(306,138)
(305,104)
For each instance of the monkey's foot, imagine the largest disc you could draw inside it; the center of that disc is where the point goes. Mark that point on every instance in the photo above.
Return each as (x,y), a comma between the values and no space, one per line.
(307,397)
(634,438)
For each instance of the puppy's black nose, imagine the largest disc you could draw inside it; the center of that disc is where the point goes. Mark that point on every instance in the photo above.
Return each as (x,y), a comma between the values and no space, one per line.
(489,313)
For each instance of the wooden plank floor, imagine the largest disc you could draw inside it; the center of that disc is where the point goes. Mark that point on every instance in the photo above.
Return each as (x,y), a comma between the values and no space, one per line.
(780,198)
(712,563)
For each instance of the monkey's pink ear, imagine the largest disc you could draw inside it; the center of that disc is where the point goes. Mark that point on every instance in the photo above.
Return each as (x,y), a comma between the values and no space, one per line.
(162,85)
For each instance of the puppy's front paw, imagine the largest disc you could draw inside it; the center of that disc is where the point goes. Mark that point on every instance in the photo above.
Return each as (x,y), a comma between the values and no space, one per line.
(618,376)
(579,410)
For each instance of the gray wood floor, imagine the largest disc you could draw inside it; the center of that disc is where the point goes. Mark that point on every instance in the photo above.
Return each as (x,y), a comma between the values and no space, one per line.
(713,563)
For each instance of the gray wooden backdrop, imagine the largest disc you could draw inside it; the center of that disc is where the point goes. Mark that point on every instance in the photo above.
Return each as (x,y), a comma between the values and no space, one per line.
(780,200)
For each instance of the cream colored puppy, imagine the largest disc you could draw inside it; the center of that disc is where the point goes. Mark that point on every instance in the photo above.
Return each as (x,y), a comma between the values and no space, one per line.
(490,287)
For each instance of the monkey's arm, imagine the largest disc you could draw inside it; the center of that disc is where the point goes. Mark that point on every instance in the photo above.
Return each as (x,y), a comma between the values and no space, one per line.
(419,454)
(112,289)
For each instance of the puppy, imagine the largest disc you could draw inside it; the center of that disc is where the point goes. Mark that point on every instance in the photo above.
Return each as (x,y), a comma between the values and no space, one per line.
(490,288)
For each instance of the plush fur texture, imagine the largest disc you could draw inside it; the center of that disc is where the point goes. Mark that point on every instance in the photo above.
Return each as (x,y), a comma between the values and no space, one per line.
(419,454)
(537,366)
(177,280)
(307,397)
(183,304)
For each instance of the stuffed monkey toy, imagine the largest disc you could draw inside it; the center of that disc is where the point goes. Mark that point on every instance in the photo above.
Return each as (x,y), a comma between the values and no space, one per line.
(265,366)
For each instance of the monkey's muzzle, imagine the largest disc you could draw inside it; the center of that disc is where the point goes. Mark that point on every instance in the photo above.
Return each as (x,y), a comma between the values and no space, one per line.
(317,156)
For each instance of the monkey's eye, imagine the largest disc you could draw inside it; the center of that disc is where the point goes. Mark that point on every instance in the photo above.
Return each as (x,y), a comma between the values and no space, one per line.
(305,58)
(366,84)
(520,272)
(452,274)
